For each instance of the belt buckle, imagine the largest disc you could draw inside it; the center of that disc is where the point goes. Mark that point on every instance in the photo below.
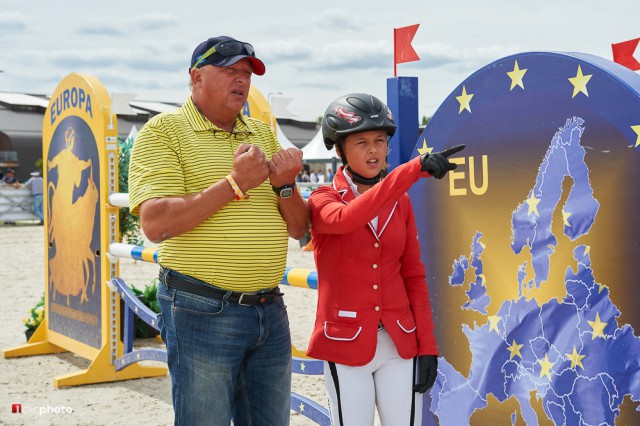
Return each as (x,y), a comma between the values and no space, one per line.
(240,300)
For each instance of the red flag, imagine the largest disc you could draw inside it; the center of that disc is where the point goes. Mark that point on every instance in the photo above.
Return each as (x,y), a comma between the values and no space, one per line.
(402,49)
(623,54)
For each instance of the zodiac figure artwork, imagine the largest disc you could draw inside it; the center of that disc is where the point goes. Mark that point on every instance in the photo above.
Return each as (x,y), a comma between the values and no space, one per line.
(73,201)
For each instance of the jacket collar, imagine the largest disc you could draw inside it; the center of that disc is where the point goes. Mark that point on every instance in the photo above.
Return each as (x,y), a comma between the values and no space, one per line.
(341,185)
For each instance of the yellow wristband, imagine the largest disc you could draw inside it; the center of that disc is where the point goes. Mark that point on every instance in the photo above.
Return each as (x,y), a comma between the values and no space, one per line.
(236,189)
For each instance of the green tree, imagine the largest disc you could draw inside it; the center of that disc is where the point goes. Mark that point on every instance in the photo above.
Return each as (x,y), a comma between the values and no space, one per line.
(38,165)
(129,224)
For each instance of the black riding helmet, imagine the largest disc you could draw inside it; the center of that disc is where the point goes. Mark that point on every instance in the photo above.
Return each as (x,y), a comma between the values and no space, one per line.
(355,113)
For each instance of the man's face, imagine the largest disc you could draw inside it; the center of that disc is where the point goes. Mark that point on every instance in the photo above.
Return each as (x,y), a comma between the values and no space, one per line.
(224,88)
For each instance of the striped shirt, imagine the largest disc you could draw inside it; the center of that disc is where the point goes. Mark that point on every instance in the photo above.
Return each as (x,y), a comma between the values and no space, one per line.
(243,246)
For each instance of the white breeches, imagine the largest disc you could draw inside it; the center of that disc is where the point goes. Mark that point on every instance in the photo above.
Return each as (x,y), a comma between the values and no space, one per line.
(386,382)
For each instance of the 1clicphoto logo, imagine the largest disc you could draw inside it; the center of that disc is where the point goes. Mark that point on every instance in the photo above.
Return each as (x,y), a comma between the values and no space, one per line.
(41,410)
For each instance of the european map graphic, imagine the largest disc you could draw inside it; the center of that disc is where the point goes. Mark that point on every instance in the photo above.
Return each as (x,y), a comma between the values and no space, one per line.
(571,352)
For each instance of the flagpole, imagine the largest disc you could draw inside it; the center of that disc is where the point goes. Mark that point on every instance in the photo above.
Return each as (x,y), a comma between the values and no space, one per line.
(395,74)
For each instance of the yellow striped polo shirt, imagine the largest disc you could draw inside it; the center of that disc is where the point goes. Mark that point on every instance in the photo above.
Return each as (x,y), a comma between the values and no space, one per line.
(243,246)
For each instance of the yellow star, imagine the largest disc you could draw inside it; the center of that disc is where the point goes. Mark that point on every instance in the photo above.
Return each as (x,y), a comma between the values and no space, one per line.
(493,323)
(598,327)
(516,76)
(637,130)
(587,249)
(532,201)
(580,82)
(301,407)
(515,350)
(545,366)
(425,149)
(302,366)
(565,218)
(465,100)
(575,358)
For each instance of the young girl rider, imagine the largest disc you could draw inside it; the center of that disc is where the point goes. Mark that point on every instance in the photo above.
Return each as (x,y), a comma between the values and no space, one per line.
(373,323)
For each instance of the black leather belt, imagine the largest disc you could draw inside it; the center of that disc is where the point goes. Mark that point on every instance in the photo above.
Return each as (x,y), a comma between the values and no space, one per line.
(178,281)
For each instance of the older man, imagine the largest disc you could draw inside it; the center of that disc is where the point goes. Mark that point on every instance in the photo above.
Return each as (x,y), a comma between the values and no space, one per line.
(216,190)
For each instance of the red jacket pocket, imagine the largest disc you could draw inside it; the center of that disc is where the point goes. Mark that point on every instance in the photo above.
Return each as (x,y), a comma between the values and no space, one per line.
(407,324)
(337,331)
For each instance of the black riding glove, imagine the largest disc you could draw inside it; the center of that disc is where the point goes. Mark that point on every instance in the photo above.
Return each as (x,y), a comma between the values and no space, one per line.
(427,372)
(436,164)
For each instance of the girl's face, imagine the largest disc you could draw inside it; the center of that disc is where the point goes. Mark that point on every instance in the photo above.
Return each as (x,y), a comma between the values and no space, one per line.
(367,152)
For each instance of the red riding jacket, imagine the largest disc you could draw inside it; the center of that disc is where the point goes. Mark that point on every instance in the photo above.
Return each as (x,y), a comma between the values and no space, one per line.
(365,276)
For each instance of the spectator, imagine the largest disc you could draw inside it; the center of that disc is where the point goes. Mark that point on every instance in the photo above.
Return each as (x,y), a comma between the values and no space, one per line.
(35,185)
(9,178)
(330,175)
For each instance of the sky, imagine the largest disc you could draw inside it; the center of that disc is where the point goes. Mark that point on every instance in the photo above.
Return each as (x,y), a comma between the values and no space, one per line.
(314,52)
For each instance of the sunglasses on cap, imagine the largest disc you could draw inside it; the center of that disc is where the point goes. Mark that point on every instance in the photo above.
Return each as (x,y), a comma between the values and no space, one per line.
(227,48)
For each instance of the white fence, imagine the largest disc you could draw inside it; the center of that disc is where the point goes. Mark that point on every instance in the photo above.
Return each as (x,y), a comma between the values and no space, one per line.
(15,204)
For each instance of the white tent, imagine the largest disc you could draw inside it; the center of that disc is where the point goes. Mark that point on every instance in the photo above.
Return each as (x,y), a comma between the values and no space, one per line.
(133,133)
(283,139)
(279,106)
(315,150)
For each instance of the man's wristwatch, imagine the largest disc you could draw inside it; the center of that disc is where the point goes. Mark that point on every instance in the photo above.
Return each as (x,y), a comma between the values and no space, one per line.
(285,191)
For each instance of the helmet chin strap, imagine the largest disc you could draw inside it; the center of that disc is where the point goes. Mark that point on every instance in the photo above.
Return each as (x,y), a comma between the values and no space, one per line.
(364,180)
(355,176)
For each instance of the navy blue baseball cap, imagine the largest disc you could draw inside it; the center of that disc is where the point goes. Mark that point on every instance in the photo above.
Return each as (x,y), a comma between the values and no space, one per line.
(223,51)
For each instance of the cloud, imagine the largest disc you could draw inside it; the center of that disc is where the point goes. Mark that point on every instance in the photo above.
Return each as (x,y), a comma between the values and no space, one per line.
(138,60)
(352,55)
(99,27)
(338,20)
(284,51)
(378,54)
(156,21)
(144,82)
(142,23)
(11,22)
(439,55)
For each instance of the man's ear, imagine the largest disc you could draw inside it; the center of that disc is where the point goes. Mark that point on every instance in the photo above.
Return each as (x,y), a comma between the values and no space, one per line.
(195,76)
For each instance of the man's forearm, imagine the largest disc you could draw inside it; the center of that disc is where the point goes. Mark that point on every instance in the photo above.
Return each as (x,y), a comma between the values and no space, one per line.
(295,212)
(168,217)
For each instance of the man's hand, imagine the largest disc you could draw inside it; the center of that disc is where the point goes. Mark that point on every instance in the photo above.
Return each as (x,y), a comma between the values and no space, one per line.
(436,164)
(427,372)
(285,166)
(250,167)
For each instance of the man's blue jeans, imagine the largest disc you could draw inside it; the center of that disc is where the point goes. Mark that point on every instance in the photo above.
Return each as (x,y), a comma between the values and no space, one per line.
(36,205)
(226,361)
